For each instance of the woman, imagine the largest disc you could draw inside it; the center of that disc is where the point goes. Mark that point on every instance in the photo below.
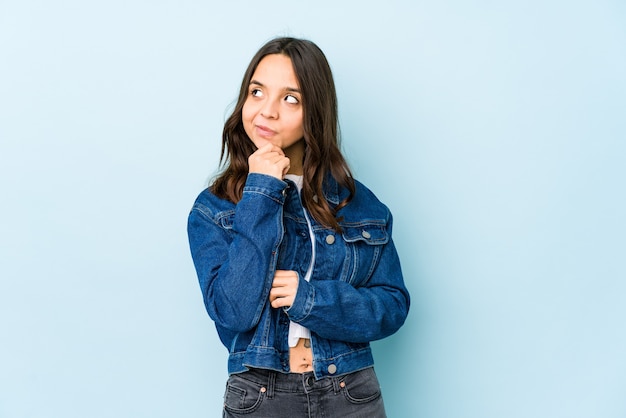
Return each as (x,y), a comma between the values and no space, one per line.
(294,257)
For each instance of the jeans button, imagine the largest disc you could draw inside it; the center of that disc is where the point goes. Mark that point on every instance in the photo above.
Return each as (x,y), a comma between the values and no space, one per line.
(310,381)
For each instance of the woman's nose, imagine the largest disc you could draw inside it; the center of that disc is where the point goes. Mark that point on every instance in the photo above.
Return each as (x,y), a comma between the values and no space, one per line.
(269,109)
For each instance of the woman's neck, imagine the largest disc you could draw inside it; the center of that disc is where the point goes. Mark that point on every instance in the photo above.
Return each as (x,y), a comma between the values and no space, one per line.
(295,153)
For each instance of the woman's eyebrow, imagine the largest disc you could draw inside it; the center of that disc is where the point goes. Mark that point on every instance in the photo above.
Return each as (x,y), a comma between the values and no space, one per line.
(292,89)
(289,89)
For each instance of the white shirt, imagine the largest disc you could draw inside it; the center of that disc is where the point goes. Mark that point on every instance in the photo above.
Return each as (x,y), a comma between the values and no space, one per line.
(297,331)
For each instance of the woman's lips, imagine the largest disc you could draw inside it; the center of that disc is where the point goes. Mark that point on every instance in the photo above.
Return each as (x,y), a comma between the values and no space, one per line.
(264,131)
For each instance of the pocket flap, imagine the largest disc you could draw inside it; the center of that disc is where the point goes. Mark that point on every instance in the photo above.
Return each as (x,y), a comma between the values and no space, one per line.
(226,219)
(372,233)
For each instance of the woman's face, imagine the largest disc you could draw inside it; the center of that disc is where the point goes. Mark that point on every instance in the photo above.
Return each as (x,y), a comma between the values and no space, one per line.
(273,111)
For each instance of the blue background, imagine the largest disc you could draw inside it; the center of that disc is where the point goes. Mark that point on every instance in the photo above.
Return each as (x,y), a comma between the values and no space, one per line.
(493,130)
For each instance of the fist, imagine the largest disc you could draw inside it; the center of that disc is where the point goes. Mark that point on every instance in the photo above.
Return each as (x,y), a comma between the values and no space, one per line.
(284,288)
(270,160)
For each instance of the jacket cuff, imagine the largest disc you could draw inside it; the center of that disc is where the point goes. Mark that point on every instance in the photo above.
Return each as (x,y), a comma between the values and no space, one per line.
(266,185)
(303,302)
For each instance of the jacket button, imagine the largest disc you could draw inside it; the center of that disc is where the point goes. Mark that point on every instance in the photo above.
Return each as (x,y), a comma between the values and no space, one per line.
(332,369)
(330,239)
(366,235)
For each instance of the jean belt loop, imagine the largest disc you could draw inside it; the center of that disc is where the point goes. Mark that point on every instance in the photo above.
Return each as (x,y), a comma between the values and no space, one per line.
(271,381)
(336,383)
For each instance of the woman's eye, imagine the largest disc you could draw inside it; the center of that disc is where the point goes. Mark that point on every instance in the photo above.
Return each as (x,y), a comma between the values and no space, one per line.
(291,99)
(256,93)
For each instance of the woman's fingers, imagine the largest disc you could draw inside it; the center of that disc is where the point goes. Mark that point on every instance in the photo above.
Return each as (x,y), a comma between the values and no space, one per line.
(284,288)
(270,160)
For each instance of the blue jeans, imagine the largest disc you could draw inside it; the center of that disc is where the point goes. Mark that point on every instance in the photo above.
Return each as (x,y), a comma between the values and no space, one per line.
(268,394)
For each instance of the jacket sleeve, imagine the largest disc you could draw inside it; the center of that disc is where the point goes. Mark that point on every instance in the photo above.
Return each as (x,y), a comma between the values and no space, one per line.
(336,310)
(234,264)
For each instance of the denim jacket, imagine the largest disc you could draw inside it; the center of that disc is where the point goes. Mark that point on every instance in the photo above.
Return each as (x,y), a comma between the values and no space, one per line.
(356,293)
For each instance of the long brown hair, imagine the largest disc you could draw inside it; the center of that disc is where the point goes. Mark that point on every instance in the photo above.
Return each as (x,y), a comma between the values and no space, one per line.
(322,155)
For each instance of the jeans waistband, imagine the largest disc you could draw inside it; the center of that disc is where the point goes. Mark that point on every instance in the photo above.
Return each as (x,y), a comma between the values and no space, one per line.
(291,382)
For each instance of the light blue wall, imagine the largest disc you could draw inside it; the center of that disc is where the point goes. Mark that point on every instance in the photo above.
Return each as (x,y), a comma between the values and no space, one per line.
(494,131)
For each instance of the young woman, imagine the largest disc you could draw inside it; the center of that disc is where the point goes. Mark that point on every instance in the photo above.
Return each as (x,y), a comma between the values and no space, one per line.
(294,257)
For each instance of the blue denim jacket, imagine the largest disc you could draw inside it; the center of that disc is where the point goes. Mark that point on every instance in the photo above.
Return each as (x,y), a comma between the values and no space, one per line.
(356,293)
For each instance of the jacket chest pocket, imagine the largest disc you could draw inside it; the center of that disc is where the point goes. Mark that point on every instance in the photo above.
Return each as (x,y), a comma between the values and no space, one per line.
(364,243)
(225,220)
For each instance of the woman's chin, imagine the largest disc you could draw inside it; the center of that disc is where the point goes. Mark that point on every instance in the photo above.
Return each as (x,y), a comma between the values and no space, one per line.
(260,142)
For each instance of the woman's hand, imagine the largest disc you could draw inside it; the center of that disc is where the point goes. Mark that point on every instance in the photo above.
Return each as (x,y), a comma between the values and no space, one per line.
(284,288)
(270,160)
